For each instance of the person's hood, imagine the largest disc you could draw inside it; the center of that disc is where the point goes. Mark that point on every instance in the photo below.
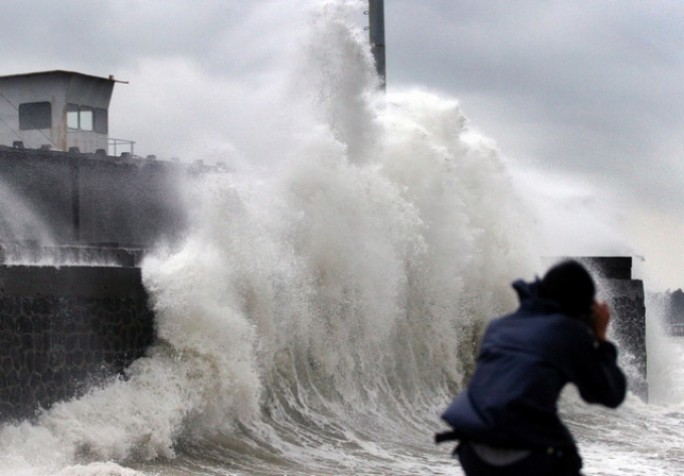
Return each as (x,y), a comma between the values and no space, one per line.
(528,294)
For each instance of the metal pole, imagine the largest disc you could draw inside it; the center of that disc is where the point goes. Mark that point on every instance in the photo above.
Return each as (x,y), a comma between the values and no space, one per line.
(376,28)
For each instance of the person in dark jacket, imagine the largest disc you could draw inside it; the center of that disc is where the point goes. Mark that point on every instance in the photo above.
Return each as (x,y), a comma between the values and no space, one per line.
(507,420)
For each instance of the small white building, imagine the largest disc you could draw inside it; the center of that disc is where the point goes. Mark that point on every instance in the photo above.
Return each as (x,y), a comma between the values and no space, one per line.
(59,110)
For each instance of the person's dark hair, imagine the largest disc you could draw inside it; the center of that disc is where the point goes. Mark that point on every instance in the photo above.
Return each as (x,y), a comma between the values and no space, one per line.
(570,285)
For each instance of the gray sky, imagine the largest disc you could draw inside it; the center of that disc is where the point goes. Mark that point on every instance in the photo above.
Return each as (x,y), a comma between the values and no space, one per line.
(587,94)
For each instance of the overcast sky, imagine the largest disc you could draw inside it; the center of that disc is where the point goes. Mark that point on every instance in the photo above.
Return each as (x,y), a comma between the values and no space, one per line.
(587,94)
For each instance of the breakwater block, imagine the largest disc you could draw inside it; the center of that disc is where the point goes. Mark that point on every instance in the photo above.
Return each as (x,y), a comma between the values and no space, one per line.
(626,298)
(65,329)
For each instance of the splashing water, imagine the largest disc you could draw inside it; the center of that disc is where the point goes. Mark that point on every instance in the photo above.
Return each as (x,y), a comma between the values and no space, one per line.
(17,221)
(324,309)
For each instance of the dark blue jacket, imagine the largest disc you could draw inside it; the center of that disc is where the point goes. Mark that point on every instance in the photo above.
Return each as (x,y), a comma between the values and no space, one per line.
(525,360)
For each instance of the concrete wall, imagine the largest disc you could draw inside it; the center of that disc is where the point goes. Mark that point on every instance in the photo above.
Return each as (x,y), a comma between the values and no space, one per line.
(630,330)
(627,302)
(38,187)
(129,202)
(65,329)
(90,199)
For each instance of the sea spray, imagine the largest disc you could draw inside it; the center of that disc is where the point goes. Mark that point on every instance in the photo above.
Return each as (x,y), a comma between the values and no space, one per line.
(19,224)
(340,294)
(665,372)
(334,79)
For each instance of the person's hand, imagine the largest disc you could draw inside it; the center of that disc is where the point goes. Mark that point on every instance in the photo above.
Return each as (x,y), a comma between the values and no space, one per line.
(601,320)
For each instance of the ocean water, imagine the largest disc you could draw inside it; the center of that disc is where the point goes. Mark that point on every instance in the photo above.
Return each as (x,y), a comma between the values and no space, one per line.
(327,302)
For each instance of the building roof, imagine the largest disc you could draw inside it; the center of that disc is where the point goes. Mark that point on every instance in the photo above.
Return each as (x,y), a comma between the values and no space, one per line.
(57,71)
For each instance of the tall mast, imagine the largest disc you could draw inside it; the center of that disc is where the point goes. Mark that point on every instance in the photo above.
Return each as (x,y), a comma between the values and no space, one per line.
(376,28)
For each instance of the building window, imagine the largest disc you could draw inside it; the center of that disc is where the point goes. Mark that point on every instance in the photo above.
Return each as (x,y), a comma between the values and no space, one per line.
(72,116)
(86,118)
(35,115)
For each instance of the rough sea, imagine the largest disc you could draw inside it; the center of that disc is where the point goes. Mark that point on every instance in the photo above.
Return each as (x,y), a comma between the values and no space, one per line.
(327,301)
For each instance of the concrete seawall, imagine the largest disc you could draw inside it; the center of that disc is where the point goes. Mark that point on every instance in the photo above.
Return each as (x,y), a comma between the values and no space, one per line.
(65,329)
